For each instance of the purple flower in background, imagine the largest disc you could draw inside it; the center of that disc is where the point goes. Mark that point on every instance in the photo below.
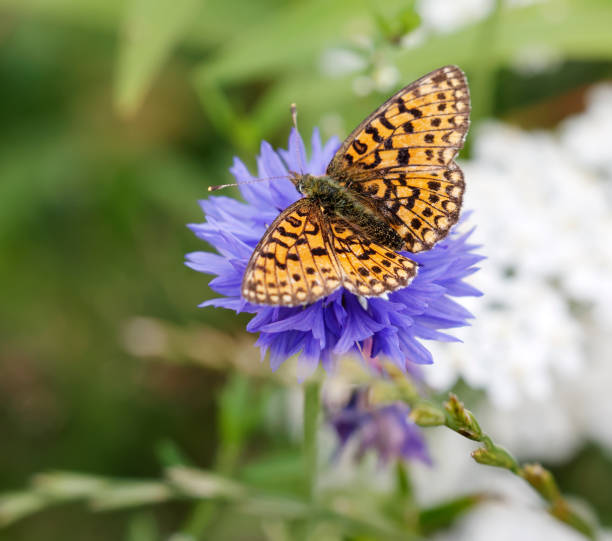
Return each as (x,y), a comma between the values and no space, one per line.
(386,430)
(341,323)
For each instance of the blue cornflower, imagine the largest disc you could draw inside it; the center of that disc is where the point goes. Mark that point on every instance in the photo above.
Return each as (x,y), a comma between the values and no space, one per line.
(339,324)
(387,430)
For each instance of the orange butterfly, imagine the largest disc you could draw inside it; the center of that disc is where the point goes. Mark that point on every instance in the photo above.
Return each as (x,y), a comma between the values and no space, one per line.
(392,186)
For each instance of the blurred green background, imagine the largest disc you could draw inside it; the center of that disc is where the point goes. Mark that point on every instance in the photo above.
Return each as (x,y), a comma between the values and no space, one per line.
(116,116)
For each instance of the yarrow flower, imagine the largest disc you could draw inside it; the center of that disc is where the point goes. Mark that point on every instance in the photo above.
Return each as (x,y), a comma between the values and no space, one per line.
(341,323)
(386,430)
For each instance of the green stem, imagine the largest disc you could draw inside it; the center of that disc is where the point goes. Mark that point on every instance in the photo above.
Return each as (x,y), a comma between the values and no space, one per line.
(311,415)
(455,416)
(462,421)
(234,400)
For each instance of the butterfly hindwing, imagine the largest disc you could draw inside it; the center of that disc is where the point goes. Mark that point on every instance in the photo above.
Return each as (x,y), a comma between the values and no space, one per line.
(400,158)
(421,207)
(368,269)
(293,263)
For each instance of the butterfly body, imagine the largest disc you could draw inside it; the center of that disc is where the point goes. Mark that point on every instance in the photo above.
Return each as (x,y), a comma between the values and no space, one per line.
(392,186)
(336,199)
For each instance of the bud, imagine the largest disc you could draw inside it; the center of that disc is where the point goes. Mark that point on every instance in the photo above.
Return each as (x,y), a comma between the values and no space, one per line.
(542,480)
(425,414)
(494,456)
(461,419)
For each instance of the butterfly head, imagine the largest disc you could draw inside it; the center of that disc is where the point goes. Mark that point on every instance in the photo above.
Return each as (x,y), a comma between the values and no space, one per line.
(303,183)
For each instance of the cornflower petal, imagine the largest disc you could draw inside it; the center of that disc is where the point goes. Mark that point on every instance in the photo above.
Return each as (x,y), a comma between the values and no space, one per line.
(385,430)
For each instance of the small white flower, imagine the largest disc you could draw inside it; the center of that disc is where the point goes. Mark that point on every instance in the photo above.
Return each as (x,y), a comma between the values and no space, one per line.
(449,15)
(339,62)
(386,76)
(363,85)
(536,58)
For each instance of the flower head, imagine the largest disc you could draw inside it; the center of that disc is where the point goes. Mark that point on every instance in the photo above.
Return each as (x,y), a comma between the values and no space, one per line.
(387,430)
(341,323)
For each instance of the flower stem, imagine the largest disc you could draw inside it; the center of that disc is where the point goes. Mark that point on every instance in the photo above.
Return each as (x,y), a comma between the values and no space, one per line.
(462,421)
(311,415)
(458,418)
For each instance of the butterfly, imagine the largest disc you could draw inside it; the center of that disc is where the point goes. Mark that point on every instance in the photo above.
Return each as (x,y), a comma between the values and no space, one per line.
(392,186)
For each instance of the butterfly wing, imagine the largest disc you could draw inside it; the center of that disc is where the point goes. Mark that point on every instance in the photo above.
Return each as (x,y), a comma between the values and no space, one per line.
(367,268)
(400,160)
(293,263)
(306,255)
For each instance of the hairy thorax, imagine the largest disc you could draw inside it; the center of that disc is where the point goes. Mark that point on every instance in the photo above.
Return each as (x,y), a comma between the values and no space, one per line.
(335,199)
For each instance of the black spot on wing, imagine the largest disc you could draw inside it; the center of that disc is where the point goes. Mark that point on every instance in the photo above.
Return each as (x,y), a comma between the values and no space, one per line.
(374,133)
(416,113)
(286,233)
(359,147)
(403,156)
(295,222)
(383,120)
(375,163)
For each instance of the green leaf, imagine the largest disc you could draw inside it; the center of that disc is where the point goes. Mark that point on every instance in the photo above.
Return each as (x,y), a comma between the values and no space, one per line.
(130,494)
(67,485)
(443,515)
(238,416)
(293,37)
(312,405)
(291,75)
(150,30)
(203,484)
(170,454)
(142,527)
(281,471)
(16,505)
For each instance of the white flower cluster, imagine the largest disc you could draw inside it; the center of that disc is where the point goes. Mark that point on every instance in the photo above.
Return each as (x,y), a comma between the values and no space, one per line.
(540,344)
(449,15)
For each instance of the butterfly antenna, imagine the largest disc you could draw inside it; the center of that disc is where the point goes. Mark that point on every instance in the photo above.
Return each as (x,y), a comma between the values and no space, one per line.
(301,158)
(221,186)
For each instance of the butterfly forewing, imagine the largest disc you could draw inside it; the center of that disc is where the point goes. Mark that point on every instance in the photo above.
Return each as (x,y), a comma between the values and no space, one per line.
(399,160)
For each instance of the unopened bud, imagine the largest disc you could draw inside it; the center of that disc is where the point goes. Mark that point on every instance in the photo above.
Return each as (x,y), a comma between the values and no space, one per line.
(461,419)
(542,480)
(494,456)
